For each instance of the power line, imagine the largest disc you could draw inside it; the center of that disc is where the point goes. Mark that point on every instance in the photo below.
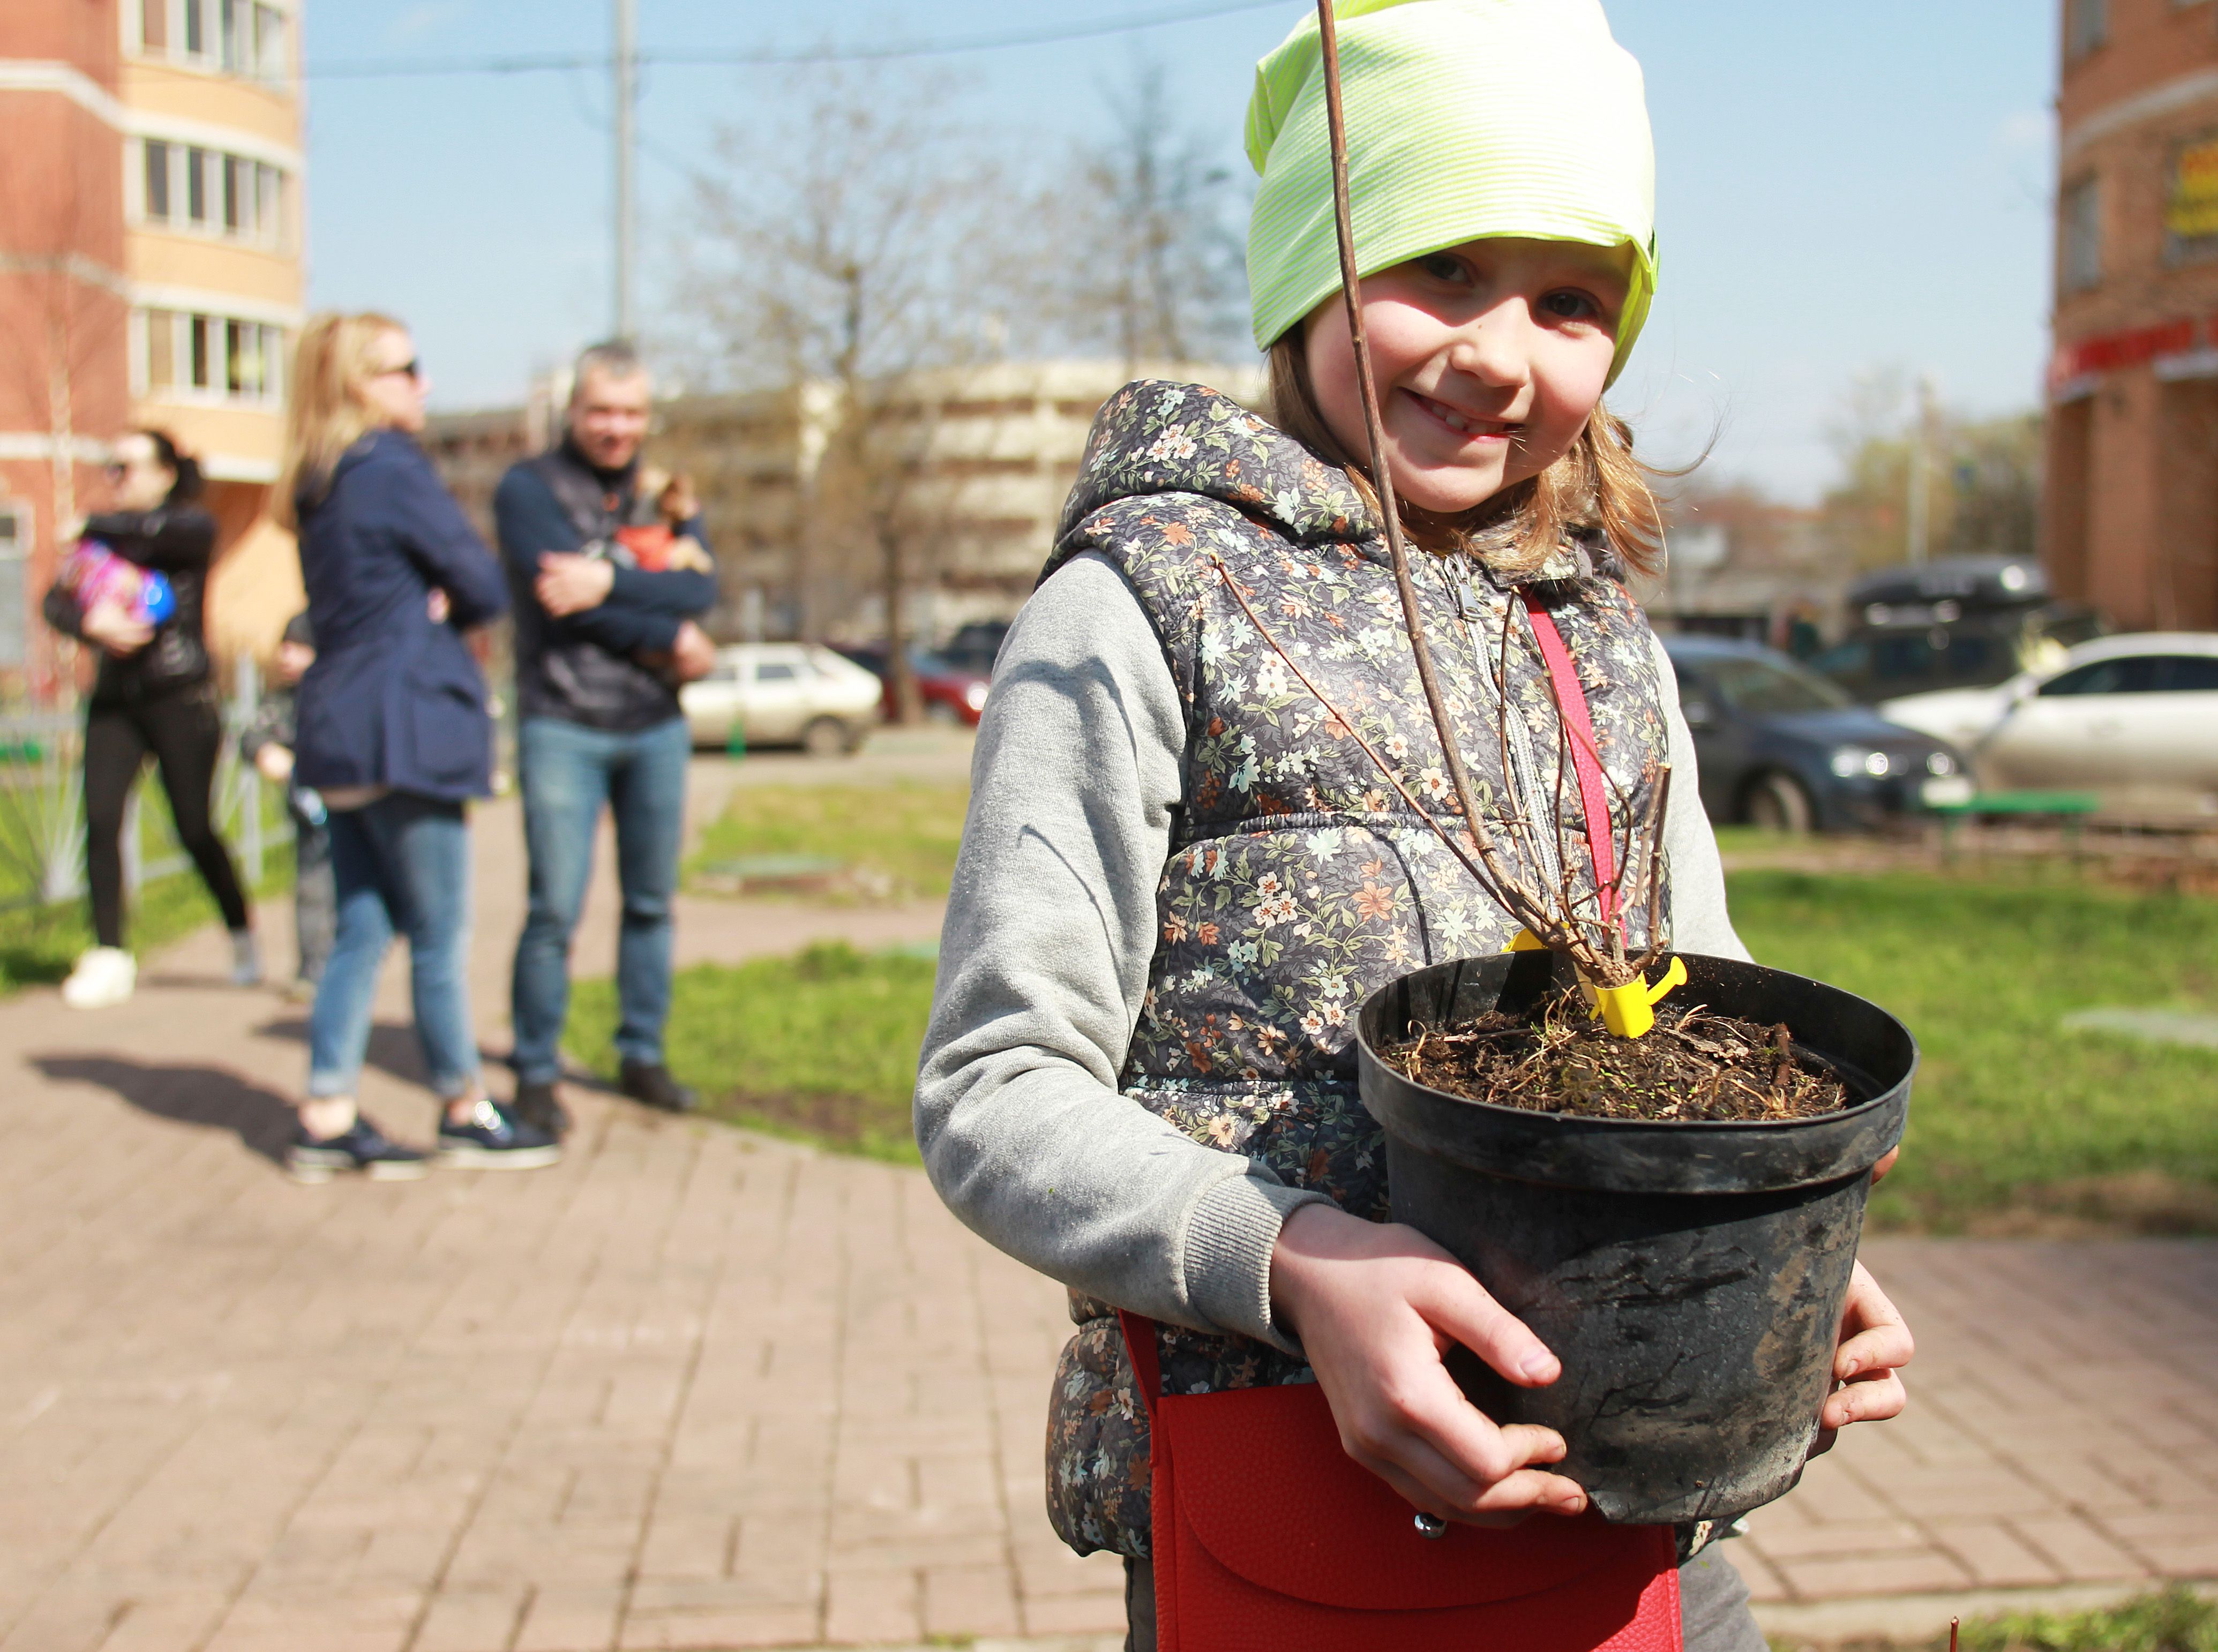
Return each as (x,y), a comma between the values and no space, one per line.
(526,63)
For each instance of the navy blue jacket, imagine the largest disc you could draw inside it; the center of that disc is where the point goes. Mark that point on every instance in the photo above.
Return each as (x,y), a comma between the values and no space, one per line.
(393,699)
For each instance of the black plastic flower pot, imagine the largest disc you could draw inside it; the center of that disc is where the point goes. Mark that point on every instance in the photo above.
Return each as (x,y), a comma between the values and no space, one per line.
(1691,1277)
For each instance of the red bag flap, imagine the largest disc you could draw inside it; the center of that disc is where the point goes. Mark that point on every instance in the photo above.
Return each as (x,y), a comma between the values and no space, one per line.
(1261,1476)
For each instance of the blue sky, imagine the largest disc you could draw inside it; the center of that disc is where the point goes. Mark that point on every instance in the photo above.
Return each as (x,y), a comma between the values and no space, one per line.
(1842,189)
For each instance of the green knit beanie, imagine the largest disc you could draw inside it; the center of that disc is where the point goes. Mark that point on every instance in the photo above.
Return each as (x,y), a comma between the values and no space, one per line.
(1466,118)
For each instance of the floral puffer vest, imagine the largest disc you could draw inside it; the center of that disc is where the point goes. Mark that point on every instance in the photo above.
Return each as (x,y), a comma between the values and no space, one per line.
(1299,881)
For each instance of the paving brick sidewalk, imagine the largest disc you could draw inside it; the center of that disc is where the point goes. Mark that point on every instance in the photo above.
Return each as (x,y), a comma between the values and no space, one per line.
(695,1389)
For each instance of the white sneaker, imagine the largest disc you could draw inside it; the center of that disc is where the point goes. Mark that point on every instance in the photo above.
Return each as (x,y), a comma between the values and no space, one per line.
(104,976)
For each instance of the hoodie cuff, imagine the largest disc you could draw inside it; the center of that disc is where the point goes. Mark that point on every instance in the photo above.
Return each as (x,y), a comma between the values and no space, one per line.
(1227,1254)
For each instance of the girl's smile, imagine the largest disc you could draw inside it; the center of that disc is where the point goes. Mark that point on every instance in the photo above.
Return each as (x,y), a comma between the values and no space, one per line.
(1490,357)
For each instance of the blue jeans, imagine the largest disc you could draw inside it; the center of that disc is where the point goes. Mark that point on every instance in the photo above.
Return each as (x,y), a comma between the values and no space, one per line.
(569,773)
(400,865)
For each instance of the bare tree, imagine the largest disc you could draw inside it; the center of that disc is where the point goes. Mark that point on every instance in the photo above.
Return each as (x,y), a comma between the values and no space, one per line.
(845,254)
(1152,265)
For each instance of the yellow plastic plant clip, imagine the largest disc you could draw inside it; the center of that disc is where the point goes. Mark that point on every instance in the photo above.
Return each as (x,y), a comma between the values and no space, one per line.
(1527,942)
(1628,1010)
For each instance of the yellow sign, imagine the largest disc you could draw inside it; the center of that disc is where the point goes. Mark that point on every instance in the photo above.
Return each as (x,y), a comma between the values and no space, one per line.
(2192,212)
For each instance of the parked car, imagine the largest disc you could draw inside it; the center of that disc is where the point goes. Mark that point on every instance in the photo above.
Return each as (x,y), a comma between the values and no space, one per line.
(1957,621)
(782,694)
(950,693)
(2133,718)
(1780,746)
(975,646)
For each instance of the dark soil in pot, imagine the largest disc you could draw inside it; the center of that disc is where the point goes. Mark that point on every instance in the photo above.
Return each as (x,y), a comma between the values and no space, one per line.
(1690,1273)
(1695,1065)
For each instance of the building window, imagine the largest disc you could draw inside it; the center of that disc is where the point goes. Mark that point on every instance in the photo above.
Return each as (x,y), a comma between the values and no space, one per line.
(233,37)
(156,197)
(234,196)
(2080,225)
(2086,26)
(15,559)
(187,356)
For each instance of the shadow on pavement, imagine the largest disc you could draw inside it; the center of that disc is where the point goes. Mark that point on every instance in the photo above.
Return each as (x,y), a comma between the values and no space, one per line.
(209,1096)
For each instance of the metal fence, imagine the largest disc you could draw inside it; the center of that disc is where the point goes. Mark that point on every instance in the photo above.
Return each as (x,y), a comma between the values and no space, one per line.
(42,807)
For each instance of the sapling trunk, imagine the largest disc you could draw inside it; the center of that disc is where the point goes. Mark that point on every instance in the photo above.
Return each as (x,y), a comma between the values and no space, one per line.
(1552,916)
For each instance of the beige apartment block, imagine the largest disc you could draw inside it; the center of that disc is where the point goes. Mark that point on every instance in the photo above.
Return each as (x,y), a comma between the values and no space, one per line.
(961,473)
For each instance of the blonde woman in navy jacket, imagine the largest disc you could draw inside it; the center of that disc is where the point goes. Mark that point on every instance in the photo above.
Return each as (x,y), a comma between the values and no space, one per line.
(395,734)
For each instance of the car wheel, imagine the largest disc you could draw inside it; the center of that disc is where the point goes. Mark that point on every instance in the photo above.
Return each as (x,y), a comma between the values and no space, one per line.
(938,711)
(826,736)
(1780,802)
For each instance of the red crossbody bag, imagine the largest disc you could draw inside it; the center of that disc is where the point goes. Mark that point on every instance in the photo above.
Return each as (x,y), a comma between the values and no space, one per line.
(1269,1537)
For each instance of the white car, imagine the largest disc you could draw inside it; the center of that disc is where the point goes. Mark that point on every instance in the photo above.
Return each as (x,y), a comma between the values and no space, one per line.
(782,694)
(2132,717)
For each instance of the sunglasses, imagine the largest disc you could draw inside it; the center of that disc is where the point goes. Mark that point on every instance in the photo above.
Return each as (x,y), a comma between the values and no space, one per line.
(413,366)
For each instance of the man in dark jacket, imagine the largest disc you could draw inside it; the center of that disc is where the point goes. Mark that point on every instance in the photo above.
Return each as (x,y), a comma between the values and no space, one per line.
(605,633)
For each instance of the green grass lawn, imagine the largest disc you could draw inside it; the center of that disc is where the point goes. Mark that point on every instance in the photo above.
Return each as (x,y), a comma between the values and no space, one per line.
(895,841)
(39,944)
(821,1046)
(2010,1113)
(2174,1620)
(2015,1124)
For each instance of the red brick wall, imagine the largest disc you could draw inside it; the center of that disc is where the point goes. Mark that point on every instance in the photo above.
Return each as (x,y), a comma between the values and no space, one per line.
(61,232)
(2131,463)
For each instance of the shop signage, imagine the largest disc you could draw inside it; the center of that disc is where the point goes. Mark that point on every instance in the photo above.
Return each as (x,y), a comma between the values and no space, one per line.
(2191,213)
(2109,352)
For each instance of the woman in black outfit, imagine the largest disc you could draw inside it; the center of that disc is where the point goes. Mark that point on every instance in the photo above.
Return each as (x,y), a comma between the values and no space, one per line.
(153,695)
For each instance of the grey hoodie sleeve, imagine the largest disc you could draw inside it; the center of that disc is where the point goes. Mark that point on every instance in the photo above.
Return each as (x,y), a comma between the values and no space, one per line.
(1699,920)
(1043,965)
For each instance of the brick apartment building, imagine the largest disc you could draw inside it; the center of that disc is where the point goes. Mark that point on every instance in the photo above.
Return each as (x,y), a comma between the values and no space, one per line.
(2131,492)
(150,274)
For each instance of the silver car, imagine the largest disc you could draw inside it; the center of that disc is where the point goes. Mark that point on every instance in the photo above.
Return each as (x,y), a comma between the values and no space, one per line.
(782,694)
(2132,717)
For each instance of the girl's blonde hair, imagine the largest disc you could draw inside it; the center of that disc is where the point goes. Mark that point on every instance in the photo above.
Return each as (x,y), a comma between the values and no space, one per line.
(1598,486)
(330,409)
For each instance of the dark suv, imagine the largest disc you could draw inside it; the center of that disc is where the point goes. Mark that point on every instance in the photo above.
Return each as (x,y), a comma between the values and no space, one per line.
(1780,746)
(1961,622)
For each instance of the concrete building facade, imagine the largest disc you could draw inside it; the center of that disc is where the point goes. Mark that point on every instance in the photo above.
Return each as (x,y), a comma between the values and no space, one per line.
(150,227)
(2130,493)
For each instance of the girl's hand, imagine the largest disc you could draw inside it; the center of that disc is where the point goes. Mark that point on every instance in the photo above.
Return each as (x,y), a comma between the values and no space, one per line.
(119,633)
(1874,1344)
(1376,1306)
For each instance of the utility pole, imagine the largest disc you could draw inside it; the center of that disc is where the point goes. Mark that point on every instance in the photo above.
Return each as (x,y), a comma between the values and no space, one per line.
(626,63)
(1921,466)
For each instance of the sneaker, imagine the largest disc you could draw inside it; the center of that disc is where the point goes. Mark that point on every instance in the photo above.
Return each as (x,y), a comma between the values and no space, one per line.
(650,1082)
(105,975)
(362,1146)
(246,959)
(495,1139)
(539,1103)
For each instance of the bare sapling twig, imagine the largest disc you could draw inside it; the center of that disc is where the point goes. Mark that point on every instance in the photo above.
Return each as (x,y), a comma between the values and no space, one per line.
(1554,919)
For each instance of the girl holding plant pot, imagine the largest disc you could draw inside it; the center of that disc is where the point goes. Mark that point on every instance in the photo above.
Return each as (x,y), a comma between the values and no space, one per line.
(1181,875)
